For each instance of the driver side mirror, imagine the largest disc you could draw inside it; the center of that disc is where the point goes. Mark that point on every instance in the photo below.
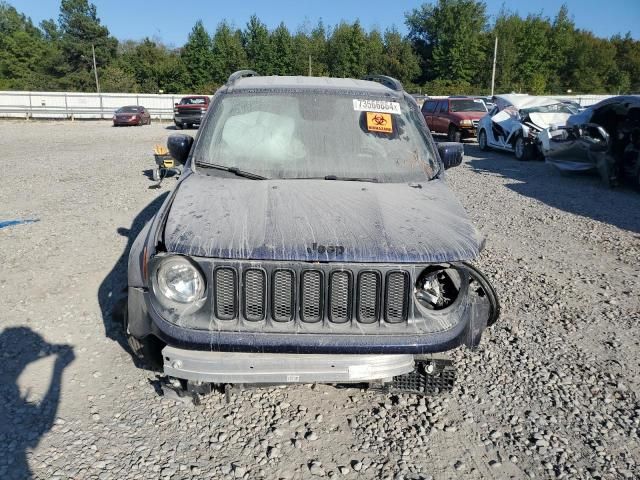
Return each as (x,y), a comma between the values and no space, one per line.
(451,154)
(179,146)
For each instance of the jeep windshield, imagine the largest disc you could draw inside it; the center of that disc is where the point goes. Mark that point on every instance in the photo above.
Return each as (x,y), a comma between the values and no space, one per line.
(467,105)
(311,134)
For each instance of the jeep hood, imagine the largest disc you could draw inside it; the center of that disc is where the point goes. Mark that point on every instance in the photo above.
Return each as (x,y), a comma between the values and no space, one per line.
(283,219)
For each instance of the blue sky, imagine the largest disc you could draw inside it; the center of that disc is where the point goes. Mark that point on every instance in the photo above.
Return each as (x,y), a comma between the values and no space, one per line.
(171,21)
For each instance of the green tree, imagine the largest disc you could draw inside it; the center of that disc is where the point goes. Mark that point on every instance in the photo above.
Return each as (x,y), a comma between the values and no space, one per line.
(374,63)
(533,58)
(283,60)
(560,48)
(592,65)
(228,53)
(24,53)
(628,63)
(400,61)
(258,46)
(311,46)
(347,48)
(80,29)
(449,37)
(197,56)
(152,65)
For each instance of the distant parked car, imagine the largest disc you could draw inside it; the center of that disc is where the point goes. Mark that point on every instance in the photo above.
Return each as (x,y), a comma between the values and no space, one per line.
(516,120)
(131,115)
(604,137)
(456,116)
(190,111)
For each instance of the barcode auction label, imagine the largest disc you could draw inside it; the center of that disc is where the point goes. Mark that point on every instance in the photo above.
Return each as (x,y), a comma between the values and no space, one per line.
(380,106)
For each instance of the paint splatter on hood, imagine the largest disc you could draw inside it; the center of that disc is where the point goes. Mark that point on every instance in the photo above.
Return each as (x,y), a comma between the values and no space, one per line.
(319,220)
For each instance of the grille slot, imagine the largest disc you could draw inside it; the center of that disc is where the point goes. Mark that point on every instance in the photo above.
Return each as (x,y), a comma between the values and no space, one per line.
(396,301)
(254,294)
(368,294)
(311,296)
(283,295)
(340,288)
(225,293)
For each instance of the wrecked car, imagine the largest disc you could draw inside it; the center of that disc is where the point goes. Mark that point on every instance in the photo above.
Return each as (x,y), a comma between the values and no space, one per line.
(311,238)
(604,137)
(516,120)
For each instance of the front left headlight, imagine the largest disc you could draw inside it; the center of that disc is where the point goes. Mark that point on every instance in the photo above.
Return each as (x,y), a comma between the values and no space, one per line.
(178,281)
(466,123)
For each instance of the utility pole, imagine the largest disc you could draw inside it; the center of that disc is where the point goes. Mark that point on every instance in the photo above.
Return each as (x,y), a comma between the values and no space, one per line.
(310,66)
(493,74)
(95,69)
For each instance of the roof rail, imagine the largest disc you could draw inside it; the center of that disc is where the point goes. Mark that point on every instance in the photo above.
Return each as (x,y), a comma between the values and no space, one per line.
(240,74)
(387,81)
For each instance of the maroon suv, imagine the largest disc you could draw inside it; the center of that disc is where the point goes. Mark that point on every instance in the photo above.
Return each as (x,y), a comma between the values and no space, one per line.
(456,116)
(190,111)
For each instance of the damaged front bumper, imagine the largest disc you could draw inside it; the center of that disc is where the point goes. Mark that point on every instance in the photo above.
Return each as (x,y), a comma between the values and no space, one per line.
(261,357)
(279,368)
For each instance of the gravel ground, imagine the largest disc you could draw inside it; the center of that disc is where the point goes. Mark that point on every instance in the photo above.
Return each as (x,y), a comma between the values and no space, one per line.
(552,392)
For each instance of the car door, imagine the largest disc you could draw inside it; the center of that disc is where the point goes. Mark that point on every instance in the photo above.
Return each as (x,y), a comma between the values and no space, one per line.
(428,110)
(441,108)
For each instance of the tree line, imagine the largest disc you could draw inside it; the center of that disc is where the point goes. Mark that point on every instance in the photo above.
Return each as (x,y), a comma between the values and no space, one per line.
(448,50)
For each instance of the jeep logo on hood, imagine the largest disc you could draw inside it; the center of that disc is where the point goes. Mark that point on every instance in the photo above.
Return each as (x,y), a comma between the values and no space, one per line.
(329,249)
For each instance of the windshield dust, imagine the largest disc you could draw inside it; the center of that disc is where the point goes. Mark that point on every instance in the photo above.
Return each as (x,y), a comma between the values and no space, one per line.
(317,135)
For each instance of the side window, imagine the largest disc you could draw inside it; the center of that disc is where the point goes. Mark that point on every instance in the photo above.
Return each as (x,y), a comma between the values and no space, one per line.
(443,106)
(429,106)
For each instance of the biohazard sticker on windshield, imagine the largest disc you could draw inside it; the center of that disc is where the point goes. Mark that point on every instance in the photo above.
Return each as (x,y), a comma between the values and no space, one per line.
(380,106)
(379,122)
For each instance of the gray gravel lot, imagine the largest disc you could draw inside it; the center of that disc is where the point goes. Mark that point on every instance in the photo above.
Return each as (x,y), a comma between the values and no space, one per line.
(551,393)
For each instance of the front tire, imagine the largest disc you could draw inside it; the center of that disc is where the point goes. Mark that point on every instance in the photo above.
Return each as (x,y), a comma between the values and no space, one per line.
(482,141)
(522,150)
(454,134)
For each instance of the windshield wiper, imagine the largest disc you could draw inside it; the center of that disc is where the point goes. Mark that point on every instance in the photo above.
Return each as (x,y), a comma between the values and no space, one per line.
(335,177)
(236,171)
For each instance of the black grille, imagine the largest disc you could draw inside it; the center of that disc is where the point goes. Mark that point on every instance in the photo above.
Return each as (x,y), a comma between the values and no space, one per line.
(225,293)
(340,289)
(340,294)
(311,296)
(254,294)
(368,295)
(396,301)
(283,296)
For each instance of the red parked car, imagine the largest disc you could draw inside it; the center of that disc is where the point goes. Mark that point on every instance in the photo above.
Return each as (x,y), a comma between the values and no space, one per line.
(190,111)
(456,116)
(131,115)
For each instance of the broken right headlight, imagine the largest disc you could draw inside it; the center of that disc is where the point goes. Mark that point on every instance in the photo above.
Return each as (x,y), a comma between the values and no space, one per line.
(437,288)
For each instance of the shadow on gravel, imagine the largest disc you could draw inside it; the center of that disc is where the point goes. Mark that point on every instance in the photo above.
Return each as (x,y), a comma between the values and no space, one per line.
(24,420)
(580,194)
(112,293)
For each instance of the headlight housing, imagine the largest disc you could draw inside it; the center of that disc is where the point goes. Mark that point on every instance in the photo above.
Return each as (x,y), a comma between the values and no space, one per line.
(437,288)
(466,123)
(178,282)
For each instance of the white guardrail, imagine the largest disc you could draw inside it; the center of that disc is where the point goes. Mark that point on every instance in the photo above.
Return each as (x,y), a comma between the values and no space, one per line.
(75,105)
